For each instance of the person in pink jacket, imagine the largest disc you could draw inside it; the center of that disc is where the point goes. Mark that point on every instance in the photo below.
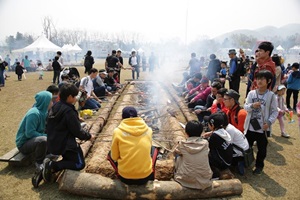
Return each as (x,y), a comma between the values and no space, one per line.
(198,95)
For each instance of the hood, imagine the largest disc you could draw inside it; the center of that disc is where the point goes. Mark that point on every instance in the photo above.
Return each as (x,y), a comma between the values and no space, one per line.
(42,100)
(135,126)
(223,134)
(194,145)
(58,110)
(296,74)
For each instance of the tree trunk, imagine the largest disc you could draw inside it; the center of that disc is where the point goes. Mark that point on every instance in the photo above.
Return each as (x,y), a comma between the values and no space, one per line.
(95,185)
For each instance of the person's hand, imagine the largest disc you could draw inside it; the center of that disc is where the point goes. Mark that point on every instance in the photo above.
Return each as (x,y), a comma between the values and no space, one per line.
(93,137)
(256,105)
(206,135)
(99,100)
(132,68)
(198,111)
(192,100)
(109,93)
(281,112)
(265,126)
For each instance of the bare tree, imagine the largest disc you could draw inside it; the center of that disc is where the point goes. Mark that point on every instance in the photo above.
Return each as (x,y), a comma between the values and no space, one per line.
(49,28)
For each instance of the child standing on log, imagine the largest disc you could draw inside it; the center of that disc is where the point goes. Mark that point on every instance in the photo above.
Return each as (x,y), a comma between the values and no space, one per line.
(63,127)
(192,168)
(132,154)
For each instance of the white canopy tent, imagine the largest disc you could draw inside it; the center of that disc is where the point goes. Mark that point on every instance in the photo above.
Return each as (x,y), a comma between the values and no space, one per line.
(42,44)
(279,48)
(295,47)
(76,48)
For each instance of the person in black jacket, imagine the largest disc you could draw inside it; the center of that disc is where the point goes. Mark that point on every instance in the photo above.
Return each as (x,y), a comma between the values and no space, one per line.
(63,127)
(220,148)
(19,70)
(213,68)
(88,62)
(56,69)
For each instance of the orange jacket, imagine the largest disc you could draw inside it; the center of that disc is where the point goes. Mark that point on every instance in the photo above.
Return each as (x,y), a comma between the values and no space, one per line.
(237,120)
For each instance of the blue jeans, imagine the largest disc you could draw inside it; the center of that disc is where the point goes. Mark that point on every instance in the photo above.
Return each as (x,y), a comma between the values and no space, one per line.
(91,104)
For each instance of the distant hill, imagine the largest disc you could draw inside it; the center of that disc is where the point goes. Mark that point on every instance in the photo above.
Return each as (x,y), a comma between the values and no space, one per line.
(265,32)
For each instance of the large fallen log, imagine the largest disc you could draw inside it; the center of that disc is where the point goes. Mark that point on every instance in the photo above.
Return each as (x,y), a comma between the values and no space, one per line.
(95,185)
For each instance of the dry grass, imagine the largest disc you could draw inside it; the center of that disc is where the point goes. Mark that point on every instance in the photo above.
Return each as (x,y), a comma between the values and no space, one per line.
(279,180)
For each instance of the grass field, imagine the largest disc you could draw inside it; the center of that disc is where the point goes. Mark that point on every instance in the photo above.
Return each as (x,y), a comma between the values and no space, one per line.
(280,179)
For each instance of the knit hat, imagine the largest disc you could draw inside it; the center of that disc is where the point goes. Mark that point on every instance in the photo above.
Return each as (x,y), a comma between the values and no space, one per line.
(129,112)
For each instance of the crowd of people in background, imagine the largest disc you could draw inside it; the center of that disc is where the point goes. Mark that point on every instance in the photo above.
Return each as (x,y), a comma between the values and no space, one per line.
(215,142)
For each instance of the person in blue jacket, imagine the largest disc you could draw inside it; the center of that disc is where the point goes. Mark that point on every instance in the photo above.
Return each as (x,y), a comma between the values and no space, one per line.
(293,87)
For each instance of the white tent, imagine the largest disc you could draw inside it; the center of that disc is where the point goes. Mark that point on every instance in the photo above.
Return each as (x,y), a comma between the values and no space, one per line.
(295,48)
(42,44)
(76,48)
(279,48)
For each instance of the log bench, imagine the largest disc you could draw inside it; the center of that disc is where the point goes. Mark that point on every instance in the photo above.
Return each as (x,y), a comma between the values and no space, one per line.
(16,158)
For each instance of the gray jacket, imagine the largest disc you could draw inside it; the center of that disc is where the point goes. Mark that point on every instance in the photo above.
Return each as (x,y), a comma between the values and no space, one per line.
(270,111)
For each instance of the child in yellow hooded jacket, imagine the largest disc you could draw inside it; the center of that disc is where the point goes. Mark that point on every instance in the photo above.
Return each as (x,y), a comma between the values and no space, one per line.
(131,149)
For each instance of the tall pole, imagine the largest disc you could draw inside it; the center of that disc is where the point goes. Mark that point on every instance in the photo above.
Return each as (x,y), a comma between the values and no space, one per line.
(186,22)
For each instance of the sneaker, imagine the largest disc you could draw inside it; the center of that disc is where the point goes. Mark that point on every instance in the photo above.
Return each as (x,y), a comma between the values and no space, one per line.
(257,171)
(285,135)
(241,167)
(37,178)
(47,174)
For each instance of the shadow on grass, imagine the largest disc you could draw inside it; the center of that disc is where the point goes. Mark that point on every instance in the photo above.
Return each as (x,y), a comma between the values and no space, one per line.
(20,172)
(263,184)
(273,154)
(282,140)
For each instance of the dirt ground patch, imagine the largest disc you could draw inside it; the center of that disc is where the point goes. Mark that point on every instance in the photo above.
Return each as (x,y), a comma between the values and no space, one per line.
(280,179)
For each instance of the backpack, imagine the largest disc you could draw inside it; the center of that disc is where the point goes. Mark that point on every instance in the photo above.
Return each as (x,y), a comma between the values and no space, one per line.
(241,70)
(236,120)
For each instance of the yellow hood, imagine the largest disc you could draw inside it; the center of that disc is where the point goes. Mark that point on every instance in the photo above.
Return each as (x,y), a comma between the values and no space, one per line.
(135,126)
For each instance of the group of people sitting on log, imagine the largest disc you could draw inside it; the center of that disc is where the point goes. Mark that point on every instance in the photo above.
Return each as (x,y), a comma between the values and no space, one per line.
(198,159)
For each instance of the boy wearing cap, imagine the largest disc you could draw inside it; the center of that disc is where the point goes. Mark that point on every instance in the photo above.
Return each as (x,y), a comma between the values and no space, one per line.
(192,168)
(220,148)
(236,115)
(131,149)
(293,86)
(282,109)
(261,105)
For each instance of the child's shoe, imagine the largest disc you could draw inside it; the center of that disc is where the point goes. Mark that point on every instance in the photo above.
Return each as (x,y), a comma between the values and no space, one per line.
(285,135)
(47,173)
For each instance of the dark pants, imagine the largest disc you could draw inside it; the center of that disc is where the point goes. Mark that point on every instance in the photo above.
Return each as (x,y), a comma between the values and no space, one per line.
(142,181)
(100,91)
(56,76)
(72,159)
(289,93)
(37,145)
(234,84)
(262,142)
(196,103)
(91,104)
(137,70)
(19,77)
